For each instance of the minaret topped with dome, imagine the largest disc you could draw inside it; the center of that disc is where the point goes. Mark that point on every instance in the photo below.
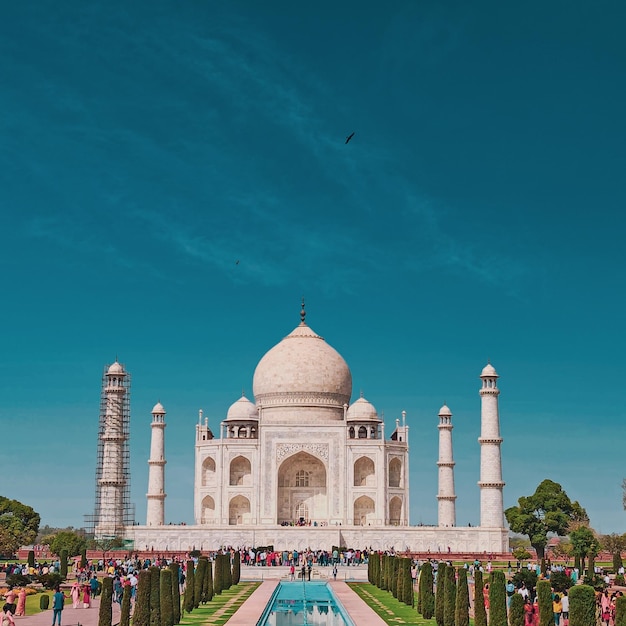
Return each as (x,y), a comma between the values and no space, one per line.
(302,370)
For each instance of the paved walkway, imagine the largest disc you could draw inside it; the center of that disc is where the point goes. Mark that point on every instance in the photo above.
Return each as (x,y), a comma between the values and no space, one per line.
(70,616)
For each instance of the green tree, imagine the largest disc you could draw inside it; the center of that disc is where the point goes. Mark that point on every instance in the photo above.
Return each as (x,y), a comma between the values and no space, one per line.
(125,612)
(521,554)
(105,616)
(31,558)
(408,583)
(480,614)
(544,598)
(527,577)
(615,544)
(449,597)
(548,510)
(563,550)
(69,540)
(19,525)
(497,599)
(228,572)
(189,587)
(584,542)
(175,568)
(141,614)
(63,556)
(427,603)
(516,610)
(165,596)
(155,596)
(582,606)
(394,576)
(461,613)
(440,593)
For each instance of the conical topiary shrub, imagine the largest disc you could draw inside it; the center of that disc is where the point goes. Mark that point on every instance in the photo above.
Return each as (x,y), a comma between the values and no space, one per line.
(105,615)
(497,599)
(544,598)
(189,587)
(439,593)
(516,610)
(449,600)
(480,614)
(582,606)
(141,614)
(155,596)
(427,595)
(44,602)
(125,612)
(165,596)
(461,610)
(175,569)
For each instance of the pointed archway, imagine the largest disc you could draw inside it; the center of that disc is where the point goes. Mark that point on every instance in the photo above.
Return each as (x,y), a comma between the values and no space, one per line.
(302,491)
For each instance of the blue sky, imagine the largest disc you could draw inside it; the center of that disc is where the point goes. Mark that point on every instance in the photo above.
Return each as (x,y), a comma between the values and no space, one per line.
(478,213)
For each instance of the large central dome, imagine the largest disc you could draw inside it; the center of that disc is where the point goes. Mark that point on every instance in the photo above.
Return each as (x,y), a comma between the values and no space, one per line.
(302,370)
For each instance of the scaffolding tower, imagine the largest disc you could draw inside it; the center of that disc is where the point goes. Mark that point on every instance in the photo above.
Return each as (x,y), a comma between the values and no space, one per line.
(113,509)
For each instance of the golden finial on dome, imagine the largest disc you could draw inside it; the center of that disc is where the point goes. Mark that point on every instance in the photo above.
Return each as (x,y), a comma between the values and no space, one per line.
(302,314)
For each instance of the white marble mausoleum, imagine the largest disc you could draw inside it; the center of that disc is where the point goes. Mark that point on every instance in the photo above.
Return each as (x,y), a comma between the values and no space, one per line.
(301,465)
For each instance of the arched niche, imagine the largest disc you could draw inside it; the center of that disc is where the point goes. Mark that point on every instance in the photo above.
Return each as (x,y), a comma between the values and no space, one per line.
(240,471)
(302,487)
(395,511)
(239,511)
(364,472)
(208,510)
(364,511)
(208,472)
(395,472)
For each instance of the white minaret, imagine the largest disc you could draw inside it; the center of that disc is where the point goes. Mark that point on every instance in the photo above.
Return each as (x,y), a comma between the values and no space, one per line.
(445,496)
(491,505)
(155,515)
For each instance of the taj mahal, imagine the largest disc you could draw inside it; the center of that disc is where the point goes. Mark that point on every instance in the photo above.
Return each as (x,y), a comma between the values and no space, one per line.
(299,465)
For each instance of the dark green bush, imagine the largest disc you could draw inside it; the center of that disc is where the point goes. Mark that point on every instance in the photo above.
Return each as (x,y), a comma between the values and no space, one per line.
(50,581)
(63,558)
(125,612)
(526,576)
(516,610)
(236,568)
(209,581)
(440,593)
(141,614)
(426,594)
(461,611)
(582,606)
(189,587)
(18,580)
(165,596)
(497,599)
(199,582)
(217,575)
(560,581)
(155,596)
(480,614)
(175,569)
(449,597)
(44,602)
(544,598)
(105,615)
(619,580)
(31,558)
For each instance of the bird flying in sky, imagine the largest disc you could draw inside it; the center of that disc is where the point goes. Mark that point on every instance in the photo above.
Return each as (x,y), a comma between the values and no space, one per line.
(349,137)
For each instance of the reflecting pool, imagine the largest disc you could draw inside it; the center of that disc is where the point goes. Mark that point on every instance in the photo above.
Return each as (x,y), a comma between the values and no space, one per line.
(302,603)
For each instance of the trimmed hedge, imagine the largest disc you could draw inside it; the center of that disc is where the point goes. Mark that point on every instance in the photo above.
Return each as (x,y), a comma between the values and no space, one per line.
(426,593)
(516,610)
(480,613)
(165,596)
(461,612)
(439,593)
(544,597)
(125,612)
(582,606)
(155,596)
(175,569)
(105,615)
(141,614)
(189,587)
(497,599)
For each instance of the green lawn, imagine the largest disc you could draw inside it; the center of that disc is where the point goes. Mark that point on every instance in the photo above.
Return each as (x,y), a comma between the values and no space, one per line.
(389,609)
(221,608)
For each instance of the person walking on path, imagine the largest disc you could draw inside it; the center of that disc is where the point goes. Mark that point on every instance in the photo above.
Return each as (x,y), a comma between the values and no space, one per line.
(86,596)
(58,600)
(21,603)
(75,594)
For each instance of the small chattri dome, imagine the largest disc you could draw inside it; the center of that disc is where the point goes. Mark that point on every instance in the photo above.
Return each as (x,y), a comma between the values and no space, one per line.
(444,411)
(158,409)
(116,368)
(243,409)
(489,370)
(361,410)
